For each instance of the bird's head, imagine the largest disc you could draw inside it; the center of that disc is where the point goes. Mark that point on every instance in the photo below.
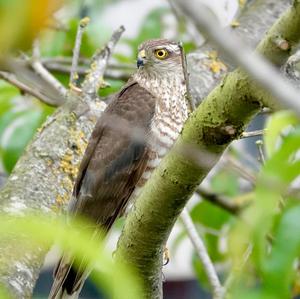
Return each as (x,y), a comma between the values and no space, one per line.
(159,55)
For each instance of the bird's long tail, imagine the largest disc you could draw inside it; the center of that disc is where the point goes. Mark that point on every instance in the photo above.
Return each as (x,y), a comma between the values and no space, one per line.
(68,279)
(70,274)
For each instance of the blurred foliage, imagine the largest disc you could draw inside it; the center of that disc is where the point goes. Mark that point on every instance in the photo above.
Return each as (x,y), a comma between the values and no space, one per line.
(152,27)
(270,226)
(114,279)
(213,221)
(258,250)
(19,119)
(21,21)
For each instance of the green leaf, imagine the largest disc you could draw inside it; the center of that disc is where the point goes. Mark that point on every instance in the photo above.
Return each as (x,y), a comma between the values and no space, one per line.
(212,218)
(116,279)
(225,183)
(274,128)
(271,263)
(278,267)
(17,134)
(53,43)
(7,94)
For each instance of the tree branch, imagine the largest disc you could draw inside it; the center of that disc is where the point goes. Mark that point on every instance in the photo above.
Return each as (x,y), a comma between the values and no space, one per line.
(10,78)
(41,71)
(253,134)
(82,70)
(43,178)
(291,70)
(219,201)
(94,78)
(230,105)
(81,26)
(203,255)
(256,18)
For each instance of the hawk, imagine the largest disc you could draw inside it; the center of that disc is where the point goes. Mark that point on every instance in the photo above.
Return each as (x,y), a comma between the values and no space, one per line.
(131,137)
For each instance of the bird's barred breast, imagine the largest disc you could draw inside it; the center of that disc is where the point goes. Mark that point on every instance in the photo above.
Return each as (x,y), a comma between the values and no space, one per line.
(164,135)
(170,114)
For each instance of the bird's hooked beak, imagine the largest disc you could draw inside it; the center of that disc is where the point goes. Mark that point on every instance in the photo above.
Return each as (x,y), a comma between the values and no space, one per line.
(141,58)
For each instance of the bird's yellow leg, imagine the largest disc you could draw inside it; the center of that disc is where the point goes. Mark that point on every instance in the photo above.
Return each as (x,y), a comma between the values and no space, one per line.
(166,257)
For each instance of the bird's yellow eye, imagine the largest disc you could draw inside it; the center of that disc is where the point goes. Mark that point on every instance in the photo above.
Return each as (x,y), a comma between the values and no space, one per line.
(161,53)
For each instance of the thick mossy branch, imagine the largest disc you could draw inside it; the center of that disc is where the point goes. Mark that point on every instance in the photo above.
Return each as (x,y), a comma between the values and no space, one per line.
(217,121)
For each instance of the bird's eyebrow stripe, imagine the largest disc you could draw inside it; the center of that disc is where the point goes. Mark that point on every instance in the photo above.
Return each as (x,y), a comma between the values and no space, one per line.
(170,48)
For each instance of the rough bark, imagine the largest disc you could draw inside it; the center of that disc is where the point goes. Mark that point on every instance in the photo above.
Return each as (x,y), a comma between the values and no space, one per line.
(220,118)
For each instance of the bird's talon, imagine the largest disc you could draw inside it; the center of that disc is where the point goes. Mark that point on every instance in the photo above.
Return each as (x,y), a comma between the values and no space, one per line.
(166,256)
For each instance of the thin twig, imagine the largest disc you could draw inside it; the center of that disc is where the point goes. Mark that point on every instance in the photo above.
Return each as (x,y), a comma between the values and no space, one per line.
(203,255)
(254,64)
(186,79)
(81,60)
(94,79)
(76,51)
(252,134)
(41,71)
(10,78)
(241,169)
(82,70)
(219,201)
(259,144)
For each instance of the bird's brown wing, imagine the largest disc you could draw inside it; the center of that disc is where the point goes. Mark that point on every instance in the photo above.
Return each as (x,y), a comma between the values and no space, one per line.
(116,156)
(114,161)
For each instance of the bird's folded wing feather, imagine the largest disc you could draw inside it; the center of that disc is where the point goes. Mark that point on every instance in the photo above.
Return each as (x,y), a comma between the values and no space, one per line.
(116,156)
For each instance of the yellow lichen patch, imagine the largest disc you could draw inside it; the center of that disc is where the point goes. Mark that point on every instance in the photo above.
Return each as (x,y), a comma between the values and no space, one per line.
(215,64)
(79,141)
(235,24)
(61,200)
(296,286)
(242,2)
(73,87)
(84,22)
(93,65)
(68,168)
(49,162)
(69,162)
(66,164)
(102,83)
(212,54)
(67,183)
